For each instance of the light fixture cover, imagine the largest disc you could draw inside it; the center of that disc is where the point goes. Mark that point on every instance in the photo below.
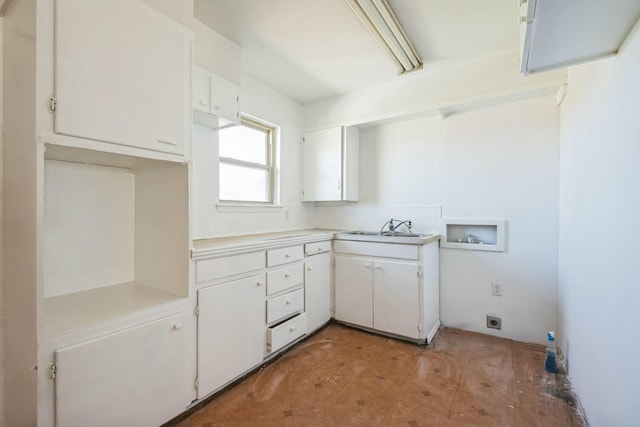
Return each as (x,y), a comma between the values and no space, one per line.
(378,17)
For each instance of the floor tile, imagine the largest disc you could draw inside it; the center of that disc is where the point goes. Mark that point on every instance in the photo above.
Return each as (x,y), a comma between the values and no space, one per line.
(346,377)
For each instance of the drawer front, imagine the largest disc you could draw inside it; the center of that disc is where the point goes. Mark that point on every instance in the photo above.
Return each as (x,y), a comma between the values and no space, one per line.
(317,248)
(284,278)
(210,269)
(284,333)
(386,250)
(283,256)
(285,305)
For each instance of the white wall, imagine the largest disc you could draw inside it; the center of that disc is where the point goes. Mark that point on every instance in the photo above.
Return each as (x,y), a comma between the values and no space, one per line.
(1,245)
(599,286)
(269,105)
(495,162)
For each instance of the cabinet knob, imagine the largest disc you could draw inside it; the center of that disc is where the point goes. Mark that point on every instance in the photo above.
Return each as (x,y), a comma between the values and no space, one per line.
(378,267)
(287,255)
(177,326)
(291,329)
(366,264)
(203,102)
(319,249)
(288,302)
(287,275)
(309,268)
(259,283)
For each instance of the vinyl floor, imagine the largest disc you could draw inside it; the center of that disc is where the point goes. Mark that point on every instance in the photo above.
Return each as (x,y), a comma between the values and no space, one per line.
(346,377)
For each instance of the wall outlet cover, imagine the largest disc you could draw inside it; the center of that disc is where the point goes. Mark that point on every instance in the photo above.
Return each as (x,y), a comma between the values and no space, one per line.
(494,322)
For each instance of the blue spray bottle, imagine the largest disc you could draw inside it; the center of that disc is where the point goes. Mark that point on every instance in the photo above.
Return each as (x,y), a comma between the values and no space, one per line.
(550,364)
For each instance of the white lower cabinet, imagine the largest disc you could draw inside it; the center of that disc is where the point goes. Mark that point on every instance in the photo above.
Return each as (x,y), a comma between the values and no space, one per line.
(231,331)
(389,288)
(354,290)
(395,297)
(317,290)
(286,332)
(135,377)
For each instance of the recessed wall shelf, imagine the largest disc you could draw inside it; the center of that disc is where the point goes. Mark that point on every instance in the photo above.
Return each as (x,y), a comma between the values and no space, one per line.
(474,234)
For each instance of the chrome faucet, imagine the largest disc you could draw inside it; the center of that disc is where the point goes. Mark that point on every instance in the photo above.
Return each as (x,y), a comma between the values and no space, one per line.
(393,227)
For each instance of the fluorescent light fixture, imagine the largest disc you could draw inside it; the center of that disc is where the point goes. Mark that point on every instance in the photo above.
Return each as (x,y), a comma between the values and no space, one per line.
(382,23)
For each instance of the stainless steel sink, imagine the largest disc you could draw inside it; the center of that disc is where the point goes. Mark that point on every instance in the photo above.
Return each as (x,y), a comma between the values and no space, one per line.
(396,234)
(384,233)
(363,233)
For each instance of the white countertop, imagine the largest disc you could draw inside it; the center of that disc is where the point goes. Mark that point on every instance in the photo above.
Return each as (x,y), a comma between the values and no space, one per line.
(205,248)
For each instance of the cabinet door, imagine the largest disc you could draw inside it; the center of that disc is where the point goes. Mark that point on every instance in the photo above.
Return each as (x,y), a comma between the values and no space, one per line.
(121,74)
(396,297)
(317,290)
(231,331)
(225,100)
(354,290)
(137,377)
(322,156)
(200,90)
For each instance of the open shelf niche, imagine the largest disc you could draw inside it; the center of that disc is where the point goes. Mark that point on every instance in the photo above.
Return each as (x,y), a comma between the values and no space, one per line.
(474,234)
(115,236)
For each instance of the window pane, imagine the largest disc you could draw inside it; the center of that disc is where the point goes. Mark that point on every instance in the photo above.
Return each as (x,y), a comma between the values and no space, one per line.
(244,143)
(243,184)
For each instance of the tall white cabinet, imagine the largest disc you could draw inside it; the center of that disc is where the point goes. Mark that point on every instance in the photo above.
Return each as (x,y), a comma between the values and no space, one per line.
(96,197)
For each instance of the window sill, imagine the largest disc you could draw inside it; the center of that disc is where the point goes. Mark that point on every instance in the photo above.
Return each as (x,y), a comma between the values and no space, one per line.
(247,207)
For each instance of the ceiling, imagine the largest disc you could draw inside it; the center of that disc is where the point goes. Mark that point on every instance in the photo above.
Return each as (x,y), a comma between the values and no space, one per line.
(313,49)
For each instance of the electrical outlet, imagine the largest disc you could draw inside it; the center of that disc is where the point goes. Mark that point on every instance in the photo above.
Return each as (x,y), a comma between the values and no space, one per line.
(496,288)
(494,322)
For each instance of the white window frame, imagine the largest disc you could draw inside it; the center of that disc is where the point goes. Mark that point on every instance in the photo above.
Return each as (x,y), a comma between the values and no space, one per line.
(270,167)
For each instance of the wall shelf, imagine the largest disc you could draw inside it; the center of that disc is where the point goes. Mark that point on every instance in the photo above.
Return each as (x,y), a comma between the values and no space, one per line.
(474,234)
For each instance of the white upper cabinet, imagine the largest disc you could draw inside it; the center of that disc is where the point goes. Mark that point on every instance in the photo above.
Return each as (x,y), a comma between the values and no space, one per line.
(122,73)
(217,98)
(556,34)
(331,165)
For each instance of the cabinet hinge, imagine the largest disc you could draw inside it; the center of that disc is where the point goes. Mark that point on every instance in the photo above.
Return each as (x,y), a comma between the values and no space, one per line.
(53,103)
(196,383)
(419,327)
(196,311)
(53,371)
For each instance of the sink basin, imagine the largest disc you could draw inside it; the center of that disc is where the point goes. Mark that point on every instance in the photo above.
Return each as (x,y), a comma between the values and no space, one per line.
(384,234)
(363,233)
(396,234)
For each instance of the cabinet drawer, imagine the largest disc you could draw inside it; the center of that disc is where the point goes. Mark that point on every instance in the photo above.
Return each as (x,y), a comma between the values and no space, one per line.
(284,333)
(285,305)
(284,278)
(210,269)
(283,256)
(386,250)
(317,248)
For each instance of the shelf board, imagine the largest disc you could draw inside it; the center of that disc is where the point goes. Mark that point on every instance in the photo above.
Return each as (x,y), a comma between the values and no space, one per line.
(82,310)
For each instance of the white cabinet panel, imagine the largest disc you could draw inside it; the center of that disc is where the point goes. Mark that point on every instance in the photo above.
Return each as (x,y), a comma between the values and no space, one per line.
(396,297)
(217,268)
(121,74)
(200,90)
(317,290)
(331,164)
(284,278)
(354,290)
(136,377)
(284,306)
(287,332)
(231,331)
(285,255)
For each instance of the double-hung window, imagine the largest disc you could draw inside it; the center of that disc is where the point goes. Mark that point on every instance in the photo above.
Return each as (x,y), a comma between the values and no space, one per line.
(246,163)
